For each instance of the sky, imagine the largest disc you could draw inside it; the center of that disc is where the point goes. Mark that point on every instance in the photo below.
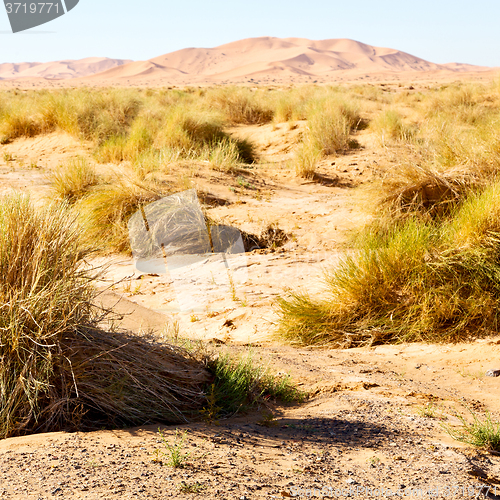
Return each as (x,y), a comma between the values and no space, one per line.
(439,31)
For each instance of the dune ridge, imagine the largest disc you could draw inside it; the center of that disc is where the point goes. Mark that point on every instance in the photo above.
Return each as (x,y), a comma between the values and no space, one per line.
(261,59)
(270,57)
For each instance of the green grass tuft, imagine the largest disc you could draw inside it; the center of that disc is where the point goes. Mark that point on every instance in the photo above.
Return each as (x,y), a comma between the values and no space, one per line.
(239,383)
(390,127)
(480,433)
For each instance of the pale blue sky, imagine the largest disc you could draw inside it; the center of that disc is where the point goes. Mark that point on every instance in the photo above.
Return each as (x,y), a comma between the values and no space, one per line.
(437,30)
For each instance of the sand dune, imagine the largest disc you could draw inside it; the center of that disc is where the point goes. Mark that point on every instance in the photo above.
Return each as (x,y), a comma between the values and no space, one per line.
(11,70)
(58,70)
(253,59)
(278,57)
(139,69)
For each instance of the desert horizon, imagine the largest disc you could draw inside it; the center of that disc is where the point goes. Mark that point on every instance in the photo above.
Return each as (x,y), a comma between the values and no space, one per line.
(262,60)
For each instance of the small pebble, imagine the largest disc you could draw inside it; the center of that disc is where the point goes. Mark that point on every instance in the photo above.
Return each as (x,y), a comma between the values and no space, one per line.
(493,373)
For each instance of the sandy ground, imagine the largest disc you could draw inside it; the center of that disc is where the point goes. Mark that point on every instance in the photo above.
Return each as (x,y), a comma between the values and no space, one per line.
(373,423)
(364,429)
(400,80)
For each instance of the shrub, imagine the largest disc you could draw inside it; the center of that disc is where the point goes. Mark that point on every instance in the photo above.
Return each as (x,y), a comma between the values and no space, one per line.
(389,126)
(72,181)
(416,281)
(59,371)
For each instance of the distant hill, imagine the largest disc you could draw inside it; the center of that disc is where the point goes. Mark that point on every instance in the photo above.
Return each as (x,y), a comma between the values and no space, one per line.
(59,70)
(258,59)
(268,57)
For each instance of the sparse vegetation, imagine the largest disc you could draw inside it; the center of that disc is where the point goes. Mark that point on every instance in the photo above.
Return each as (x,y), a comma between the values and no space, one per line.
(175,453)
(482,433)
(426,267)
(374,460)
(330,121)
(268,419)
(239,383)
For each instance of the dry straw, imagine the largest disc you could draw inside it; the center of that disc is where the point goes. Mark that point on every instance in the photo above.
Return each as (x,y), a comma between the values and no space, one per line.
(59,370)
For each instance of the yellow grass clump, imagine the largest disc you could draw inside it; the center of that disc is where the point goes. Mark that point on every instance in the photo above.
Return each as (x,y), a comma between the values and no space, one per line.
(59,369)
(73,180)
(104,212)
(306,160)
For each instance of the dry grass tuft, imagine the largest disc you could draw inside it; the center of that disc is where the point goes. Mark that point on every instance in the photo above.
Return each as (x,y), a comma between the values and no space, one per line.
(240,105)
(306,160)
(72,181)
(105,211)
(59,370)
(330,122)
(412,189)
(390,127)
(427,267)
(418,280)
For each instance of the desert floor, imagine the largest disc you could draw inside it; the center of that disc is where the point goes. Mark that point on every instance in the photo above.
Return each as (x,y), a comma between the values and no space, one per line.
(373,424)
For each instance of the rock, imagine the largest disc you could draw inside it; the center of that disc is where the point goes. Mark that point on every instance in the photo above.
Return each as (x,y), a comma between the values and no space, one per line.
(493,373)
